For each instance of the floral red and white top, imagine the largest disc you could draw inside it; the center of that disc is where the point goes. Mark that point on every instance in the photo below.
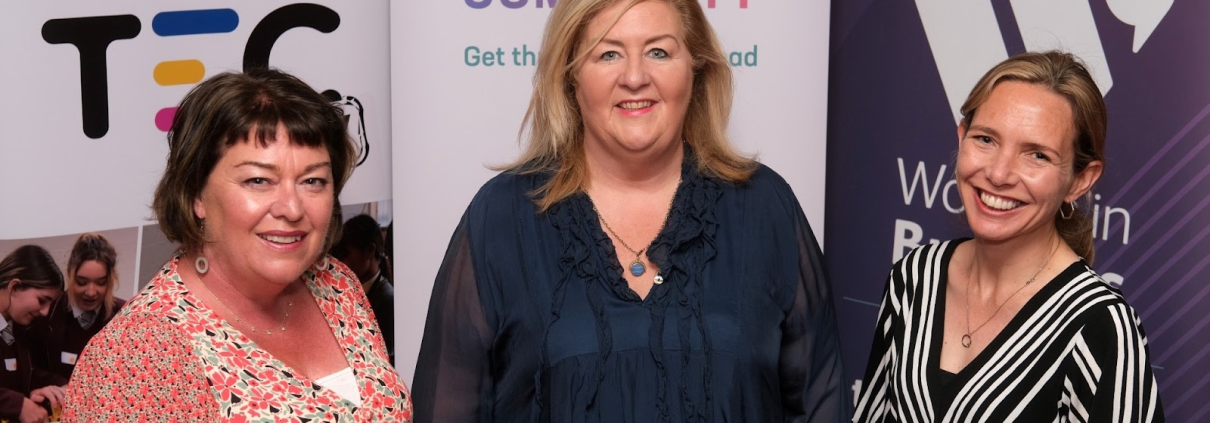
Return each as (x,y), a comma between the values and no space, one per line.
(169,357)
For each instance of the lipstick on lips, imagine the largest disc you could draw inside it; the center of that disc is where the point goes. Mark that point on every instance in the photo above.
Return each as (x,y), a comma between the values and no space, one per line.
(287,240)
(636,107)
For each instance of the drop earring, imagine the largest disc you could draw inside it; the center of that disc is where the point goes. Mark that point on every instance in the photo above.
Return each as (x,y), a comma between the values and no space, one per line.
(1068,215)
(201,264)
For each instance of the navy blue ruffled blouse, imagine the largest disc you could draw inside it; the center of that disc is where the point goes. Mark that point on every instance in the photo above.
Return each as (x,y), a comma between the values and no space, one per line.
(531,319)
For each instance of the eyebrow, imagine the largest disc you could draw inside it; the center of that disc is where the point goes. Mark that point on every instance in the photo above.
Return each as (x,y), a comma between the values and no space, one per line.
(981,128)
(1038,146)
(649,41)
(1029,144)
(273,167)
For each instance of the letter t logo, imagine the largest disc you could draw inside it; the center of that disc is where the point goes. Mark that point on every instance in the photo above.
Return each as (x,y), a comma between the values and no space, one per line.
(92,36)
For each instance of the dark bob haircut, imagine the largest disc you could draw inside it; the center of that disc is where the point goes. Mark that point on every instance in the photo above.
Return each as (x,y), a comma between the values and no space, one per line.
(234,107)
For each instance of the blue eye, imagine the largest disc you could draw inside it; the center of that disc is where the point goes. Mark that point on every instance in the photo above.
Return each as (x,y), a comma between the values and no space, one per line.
(610,55)
(659,53)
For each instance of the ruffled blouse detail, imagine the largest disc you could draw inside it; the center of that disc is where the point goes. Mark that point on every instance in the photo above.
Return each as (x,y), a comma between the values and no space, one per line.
(681,251)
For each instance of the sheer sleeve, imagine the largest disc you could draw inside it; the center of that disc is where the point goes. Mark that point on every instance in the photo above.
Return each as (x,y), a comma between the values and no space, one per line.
(813,384)
(140,368)
(453,381)
(1118,383)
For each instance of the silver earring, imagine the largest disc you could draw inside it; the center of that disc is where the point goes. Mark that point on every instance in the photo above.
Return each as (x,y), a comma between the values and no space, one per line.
(201,265)
(1068,215)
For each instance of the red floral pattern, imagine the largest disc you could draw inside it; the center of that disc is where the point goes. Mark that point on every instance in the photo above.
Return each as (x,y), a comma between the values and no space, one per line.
(166,357)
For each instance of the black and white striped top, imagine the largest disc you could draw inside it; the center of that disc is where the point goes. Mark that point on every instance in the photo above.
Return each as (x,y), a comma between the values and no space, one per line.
(1074,353)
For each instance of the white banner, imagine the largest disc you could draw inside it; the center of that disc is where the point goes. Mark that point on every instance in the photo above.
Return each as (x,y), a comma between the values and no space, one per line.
(461,79)
(94,83)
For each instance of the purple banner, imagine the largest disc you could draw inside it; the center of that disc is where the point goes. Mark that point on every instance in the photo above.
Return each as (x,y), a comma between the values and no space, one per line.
(899,69)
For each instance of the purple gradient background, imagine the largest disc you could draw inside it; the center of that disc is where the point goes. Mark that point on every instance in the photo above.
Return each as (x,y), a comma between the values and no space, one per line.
(886,101)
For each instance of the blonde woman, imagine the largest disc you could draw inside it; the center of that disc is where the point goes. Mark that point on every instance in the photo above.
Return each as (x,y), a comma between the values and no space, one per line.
(631,267)
(1014,325)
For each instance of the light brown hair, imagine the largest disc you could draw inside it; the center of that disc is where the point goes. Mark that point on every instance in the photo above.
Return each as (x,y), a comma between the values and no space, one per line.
(1065,75)
(94,246)
(556,127)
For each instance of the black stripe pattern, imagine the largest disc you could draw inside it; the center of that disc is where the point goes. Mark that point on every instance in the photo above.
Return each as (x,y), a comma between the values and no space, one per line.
(1076,352)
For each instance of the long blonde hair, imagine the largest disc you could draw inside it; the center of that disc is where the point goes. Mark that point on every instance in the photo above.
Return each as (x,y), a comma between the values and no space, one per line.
(94,247)
(1066,76)
(556,127)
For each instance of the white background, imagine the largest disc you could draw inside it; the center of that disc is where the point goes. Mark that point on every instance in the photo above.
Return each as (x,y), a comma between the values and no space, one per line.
(58,181)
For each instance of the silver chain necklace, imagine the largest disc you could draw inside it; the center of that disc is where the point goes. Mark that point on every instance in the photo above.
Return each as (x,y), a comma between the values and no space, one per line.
(636,267)
(281,326)
(966,337)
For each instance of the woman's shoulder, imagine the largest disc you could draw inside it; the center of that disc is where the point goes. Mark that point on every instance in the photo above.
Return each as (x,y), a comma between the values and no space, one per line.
(164,289)
(1106,322)
(764,191)
(333,283)
(511,184)
(162,306)
(1097,297)
(334,274)
(932,256)
(764,178)
(142,359)
(506,196)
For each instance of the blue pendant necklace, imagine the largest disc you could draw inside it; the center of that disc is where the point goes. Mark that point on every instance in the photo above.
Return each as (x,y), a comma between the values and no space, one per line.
(636,267)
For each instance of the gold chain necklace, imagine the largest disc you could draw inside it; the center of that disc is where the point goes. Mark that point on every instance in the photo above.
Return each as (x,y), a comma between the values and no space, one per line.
(282,325)
(966,337)
(636,267)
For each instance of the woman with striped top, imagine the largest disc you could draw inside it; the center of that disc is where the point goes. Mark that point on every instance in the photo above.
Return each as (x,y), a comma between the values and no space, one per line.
(1013,324)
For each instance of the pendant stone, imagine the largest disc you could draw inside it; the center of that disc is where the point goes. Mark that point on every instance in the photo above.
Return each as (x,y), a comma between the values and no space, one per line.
(966,341)
(637,268)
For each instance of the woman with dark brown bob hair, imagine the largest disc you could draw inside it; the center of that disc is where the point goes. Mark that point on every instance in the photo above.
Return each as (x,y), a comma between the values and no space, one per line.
(1013,325)
(631,266)
(251,319)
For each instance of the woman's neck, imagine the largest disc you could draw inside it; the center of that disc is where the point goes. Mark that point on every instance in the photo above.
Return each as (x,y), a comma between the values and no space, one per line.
(1016,261)
(265,295)
(648,172)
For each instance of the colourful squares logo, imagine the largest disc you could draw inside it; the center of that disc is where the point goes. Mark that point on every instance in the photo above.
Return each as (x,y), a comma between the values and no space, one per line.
(186,71)
(92,35)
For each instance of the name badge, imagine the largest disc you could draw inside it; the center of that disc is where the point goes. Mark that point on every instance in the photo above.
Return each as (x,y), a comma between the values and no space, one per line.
(68,358)
(10,364)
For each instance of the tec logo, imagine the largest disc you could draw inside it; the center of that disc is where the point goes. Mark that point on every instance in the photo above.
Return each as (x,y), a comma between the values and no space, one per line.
(92,36)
